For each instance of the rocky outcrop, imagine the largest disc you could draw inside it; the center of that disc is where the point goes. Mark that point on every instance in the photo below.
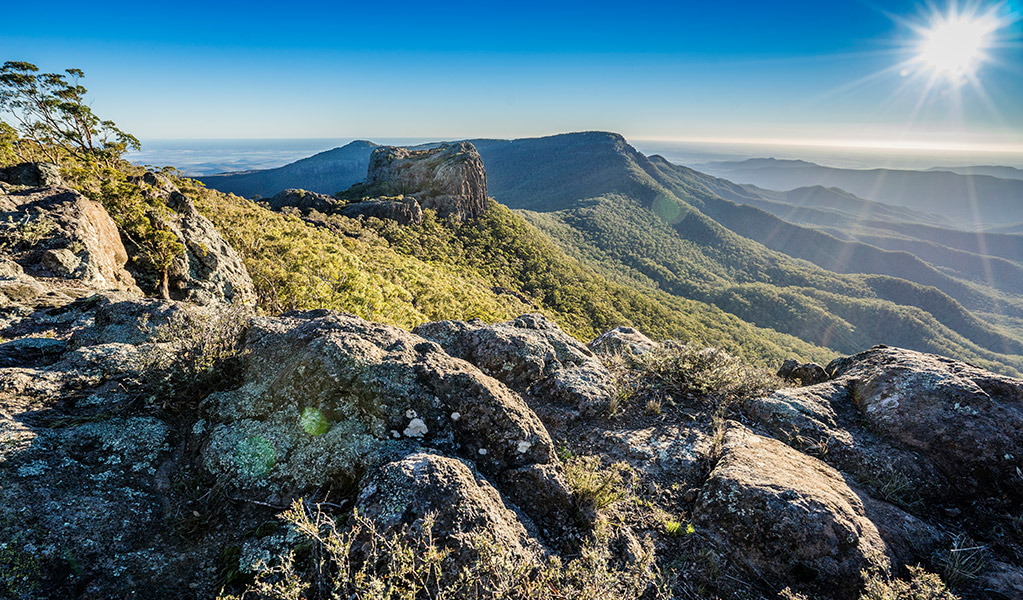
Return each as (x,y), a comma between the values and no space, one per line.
(458,499)
(32,175)
(621,340)
(792,518)
(533,356)
(303,200)
(934,426)
(209,270)
(449,179)
(405,211)
(57,235)
(805,374)
(146,448)
(329,395)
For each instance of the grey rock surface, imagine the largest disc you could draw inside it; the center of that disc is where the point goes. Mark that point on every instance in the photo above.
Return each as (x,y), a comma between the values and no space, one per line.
(449,179)
(533,356)
(405,211)
(327,396)
(621,340)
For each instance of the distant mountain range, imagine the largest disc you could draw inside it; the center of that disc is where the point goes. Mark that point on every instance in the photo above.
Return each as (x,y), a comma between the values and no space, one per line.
(970,199)
(815,262)
(994,171)
(325,173)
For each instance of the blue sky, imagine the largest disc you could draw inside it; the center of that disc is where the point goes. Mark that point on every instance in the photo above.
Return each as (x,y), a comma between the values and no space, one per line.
(681,70)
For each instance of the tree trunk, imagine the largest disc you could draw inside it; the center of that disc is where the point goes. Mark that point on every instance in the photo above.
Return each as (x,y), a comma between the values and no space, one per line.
(165,285)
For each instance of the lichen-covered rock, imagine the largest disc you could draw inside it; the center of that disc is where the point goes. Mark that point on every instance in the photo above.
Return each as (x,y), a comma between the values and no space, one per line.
(209,271)
(823,421)
(449,179)
(80,508)
(57,232)
(531,355)
(968,422)
(788,517)
(621,340)
(805,374)
(405,211)
(403,493)
(328,395)
(16,288)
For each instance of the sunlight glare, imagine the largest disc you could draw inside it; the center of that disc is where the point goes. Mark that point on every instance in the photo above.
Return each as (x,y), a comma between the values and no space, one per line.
(954,47)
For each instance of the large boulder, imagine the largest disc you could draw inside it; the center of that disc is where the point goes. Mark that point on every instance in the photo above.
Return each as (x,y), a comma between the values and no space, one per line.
(303,200)
(622,340)
(449,179)
(327,396)
(967,421)
(209,271)
(58,234)
(405,211)
(908,423)
(402,494)
(794,520)
(32,174)
(533,356)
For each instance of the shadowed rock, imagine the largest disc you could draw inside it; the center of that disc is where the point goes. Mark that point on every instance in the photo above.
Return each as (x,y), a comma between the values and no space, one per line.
(805,374)
(792,518)
(406,211)
(404,492)
(303,200)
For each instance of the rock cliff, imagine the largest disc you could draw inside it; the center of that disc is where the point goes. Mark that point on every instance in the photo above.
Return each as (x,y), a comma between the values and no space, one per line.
(449,179)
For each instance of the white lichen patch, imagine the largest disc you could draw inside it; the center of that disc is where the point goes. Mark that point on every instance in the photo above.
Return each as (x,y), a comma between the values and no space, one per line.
(456,416)
(410,414)
(416,428)
(523,446)
(482,451)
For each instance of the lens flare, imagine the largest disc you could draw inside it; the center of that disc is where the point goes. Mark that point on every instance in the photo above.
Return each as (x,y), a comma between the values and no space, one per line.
(954,46)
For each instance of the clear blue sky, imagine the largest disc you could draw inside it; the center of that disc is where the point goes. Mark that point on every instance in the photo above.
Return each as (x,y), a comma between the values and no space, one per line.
(678,70)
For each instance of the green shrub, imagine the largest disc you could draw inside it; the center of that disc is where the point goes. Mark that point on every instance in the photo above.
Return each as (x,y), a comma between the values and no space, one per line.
(361,562)
(921,586)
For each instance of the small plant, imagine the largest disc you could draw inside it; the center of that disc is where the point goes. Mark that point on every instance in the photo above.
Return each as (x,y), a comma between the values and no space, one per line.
(963,561)
(596,485)
(678,528)
(921,586)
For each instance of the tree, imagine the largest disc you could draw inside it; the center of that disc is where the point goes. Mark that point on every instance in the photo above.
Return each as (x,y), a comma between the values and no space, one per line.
(50,115)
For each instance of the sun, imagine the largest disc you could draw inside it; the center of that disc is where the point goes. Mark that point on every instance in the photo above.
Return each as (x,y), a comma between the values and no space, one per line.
(953,46)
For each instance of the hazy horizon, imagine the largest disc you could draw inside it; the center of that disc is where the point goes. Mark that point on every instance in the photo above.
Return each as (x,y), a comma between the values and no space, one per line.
(205,156)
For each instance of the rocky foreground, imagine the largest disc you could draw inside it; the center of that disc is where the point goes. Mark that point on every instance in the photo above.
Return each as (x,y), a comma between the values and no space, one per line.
(148,446)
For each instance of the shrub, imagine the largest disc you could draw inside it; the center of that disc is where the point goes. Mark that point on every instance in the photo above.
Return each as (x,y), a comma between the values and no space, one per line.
(361,562)
(598,486)
(921,586)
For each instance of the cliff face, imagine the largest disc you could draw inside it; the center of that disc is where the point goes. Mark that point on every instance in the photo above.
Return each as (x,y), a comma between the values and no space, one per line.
(449,179)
